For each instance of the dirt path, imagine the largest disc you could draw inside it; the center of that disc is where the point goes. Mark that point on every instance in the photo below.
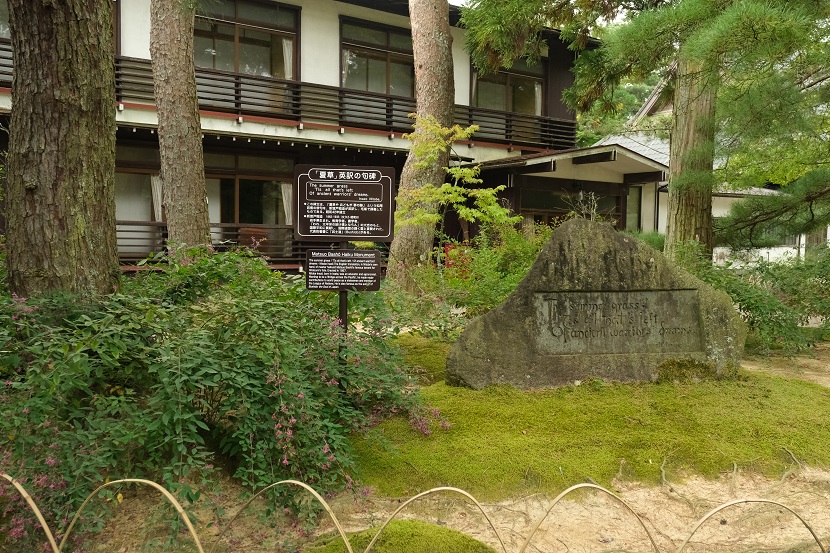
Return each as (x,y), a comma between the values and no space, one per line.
(814,367)
(596,522)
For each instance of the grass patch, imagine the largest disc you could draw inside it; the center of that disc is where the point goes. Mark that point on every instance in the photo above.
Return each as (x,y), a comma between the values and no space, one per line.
(411,536)
(505,442)
(426,358)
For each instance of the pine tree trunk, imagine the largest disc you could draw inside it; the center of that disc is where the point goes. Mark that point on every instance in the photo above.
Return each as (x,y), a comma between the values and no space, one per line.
(435,95)
(60,198)
(179,126)
(691,159)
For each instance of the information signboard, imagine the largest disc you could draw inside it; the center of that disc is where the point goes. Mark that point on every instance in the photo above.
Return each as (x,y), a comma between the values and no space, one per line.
(341,203)
(342,270)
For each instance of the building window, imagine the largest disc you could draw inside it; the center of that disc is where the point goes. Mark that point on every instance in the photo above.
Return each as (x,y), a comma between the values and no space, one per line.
(248,37)
(517,90)
(377,59)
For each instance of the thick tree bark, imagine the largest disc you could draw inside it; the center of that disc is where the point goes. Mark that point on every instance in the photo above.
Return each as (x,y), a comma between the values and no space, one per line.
(179,127)
(691,158)
(435,95)
(60,198)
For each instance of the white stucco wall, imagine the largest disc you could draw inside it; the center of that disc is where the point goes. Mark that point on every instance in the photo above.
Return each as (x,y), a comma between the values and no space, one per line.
(648,207)
(214,208)
(662,208)
(135,28)
(720,207)
(320,36)
(214,201)
(461,67)
(722,204)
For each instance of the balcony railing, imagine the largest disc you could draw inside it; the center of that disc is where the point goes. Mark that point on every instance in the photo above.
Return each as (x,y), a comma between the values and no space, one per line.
(139,239)
(302,101)
(308,102)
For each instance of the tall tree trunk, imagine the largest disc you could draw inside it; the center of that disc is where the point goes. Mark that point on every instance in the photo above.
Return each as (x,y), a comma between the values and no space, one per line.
(691,158)
(60,204)
(435,95)
(180,132)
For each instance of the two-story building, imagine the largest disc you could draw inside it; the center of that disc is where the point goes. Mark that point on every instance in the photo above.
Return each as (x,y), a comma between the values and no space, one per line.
(332,82)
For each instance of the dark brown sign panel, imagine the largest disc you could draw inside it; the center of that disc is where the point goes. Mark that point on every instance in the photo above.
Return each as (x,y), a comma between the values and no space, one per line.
(342,270)
(340,203)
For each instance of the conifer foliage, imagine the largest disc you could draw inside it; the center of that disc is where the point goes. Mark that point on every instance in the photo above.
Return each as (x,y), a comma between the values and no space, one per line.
(749,76)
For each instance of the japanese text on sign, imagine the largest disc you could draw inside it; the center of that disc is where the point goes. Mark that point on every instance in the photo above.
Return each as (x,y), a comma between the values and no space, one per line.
(342,203)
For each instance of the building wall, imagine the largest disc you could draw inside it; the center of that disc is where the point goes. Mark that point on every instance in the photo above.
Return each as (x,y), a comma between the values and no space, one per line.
(648,207)
(319,47)
(319,63)
(135,28)
(720,207)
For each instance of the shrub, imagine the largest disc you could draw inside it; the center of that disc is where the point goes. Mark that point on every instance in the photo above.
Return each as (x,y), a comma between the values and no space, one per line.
(776,299)
(213,354)
(479,276)
(655,239)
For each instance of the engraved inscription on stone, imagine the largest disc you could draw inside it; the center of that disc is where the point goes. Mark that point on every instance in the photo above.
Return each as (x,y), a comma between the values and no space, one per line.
(649,321)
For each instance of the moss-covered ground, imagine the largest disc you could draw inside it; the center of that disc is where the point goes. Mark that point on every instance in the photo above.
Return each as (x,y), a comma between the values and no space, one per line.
(426,358)
(411,536)
(504,442)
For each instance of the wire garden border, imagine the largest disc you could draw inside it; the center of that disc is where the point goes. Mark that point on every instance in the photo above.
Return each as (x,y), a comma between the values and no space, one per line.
(58,548)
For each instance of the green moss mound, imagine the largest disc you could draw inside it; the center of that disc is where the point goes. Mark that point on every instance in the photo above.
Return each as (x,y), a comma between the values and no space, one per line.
(426,358)
(689,370)
(406,536)
(506,443)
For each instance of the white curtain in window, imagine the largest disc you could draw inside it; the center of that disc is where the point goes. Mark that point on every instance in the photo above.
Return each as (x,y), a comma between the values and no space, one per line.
(347,56)
(158,197)
(287,199)
(288,58)
(538,91)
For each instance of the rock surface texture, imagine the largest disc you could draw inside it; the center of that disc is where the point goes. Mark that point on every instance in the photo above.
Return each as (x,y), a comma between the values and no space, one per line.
(599,304)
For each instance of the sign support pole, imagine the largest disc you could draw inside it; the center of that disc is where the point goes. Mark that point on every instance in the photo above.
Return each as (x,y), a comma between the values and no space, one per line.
(344,301)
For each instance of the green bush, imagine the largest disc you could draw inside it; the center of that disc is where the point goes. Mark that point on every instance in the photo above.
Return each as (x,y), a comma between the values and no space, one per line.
(479,276)
(215,354)
(655,239)
(776,299)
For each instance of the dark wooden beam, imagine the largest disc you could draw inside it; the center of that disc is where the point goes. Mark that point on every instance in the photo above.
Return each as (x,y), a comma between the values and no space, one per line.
(547,166)
(642,178)
(595,158)
(570,185)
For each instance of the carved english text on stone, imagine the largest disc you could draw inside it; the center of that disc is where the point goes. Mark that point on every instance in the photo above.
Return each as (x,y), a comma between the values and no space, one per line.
(649,321)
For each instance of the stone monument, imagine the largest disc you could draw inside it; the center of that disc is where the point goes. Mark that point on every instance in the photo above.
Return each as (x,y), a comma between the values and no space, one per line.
(598,304)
